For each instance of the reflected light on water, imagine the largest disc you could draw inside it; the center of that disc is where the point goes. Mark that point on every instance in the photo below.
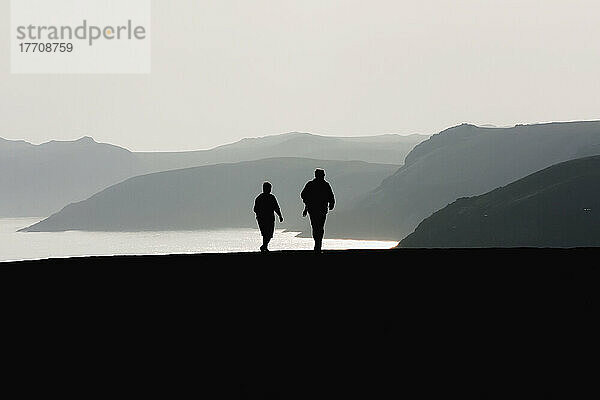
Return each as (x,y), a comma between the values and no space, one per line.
(28,246)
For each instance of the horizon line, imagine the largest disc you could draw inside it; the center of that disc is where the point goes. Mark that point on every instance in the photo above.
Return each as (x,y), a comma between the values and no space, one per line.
(479,125)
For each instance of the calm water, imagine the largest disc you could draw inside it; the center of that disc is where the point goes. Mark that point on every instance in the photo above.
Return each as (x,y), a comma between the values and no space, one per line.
(28,246)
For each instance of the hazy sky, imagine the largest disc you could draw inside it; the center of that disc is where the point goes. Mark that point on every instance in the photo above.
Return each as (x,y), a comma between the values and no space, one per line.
(223,70)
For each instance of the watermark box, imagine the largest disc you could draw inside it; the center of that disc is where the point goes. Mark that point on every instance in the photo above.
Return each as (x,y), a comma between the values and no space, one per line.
(80,37)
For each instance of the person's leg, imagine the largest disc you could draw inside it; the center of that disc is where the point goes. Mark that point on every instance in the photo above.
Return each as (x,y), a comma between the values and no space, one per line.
(265,245)
(271,228)
(313,225)
(317,220)
(267,228)
(264,232)
(322,218)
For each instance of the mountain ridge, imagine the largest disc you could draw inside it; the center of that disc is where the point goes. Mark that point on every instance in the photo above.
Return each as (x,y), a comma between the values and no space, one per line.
(459,162)
(41,179)
(556,207)
(91,139)
(211,197)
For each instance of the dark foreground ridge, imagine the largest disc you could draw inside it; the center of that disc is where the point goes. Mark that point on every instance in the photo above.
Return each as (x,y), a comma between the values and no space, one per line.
(394,262)
(555,207)
(445,320)
(182,260)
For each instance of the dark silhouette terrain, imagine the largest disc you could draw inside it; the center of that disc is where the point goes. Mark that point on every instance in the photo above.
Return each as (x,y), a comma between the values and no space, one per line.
(556,207)
(366,324)
(214,196)
(38,180)
(462,161)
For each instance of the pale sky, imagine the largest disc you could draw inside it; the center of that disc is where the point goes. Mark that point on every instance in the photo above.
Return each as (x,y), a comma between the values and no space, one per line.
(223,70)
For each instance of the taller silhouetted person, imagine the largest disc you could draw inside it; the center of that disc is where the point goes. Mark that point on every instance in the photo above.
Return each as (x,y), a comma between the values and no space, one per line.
(265,206)
(318,199)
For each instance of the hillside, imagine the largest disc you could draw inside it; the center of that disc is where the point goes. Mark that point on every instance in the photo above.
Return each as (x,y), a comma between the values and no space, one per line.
(459,162)
(426,308)
(382,149)
(556,207)
(214,196)
(38,180)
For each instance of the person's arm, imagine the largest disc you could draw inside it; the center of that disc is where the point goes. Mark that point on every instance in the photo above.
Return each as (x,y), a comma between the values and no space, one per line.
(255,206)
(277,209)
(331,198)
(304,194)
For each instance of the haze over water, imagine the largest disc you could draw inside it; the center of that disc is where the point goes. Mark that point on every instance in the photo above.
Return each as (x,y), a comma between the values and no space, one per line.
(15,246)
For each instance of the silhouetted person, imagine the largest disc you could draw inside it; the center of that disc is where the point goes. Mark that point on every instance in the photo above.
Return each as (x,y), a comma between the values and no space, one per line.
(318,199)
(265,206)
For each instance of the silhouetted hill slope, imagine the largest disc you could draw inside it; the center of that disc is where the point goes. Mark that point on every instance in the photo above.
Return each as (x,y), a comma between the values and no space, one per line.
(382,149)
(371,316)
(556,207)
(459,162)
(37,180)
(214,196)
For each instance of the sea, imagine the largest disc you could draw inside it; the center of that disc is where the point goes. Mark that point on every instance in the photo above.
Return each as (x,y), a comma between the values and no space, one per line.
(18,246)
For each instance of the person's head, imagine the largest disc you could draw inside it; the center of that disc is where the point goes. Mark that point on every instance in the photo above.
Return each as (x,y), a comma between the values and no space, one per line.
(267,187)
(319,173)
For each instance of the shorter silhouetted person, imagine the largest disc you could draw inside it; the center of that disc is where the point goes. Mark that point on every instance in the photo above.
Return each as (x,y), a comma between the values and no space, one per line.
(318,200)
(265,207)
